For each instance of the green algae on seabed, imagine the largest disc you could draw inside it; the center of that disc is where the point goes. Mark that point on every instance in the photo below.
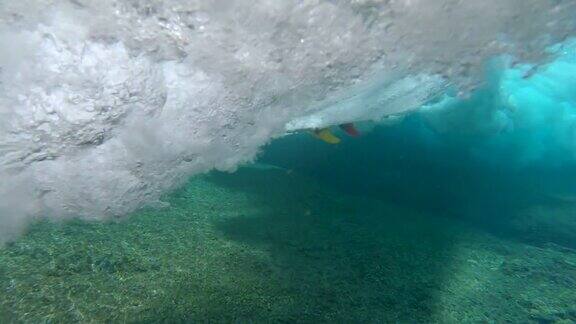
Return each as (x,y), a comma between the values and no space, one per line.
(267,245)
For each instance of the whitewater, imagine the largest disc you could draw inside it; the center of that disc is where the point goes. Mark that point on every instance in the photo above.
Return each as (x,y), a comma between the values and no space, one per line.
(106,105)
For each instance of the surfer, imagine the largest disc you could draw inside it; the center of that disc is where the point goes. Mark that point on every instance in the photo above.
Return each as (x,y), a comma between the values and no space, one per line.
(326,135)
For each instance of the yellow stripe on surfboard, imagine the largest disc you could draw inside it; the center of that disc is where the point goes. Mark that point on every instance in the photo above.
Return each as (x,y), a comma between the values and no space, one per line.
(326,135)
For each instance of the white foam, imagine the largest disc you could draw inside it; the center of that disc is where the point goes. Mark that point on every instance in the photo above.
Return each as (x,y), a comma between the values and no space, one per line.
(107,104)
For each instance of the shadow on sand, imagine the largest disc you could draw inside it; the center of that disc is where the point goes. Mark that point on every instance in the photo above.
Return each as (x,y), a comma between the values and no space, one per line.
(337,258)
(332,257)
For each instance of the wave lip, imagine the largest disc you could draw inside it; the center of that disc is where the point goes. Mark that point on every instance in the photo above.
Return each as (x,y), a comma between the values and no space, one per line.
(105,105)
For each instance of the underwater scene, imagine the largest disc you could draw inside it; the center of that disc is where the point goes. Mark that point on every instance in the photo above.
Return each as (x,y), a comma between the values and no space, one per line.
(268,161)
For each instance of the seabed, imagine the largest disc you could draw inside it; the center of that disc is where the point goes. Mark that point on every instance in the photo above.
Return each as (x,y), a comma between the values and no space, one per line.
(271,245)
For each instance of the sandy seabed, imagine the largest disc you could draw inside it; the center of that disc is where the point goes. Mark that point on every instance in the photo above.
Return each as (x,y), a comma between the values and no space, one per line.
(269,245)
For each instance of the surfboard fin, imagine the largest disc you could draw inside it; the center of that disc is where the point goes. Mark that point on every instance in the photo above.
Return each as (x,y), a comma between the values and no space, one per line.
(349,129)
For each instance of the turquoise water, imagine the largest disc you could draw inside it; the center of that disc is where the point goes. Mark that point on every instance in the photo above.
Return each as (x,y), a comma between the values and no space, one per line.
(463,212)
(509,146)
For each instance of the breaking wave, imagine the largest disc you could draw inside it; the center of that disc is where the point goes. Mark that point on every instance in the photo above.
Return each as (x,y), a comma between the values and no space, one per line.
(105,105)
